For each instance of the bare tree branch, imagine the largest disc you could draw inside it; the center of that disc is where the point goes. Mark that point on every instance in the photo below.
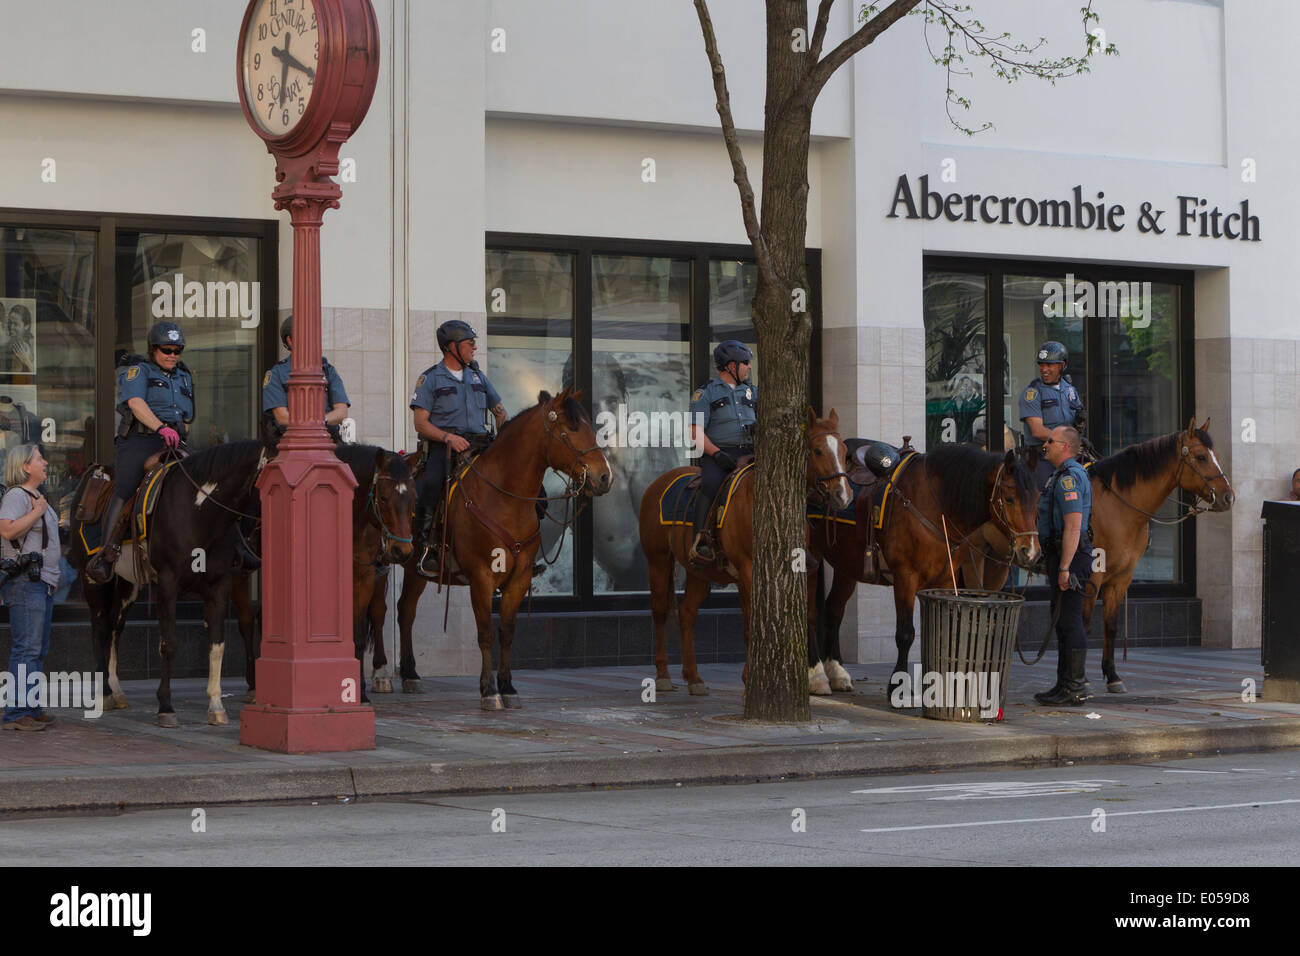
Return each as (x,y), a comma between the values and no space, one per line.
(819,31)
(877,25)
(741,178)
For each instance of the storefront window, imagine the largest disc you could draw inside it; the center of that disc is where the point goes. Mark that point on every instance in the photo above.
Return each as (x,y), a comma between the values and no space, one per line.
(956,334)
(1034,313)
(530,305)
(732,285)
(640,344)
(47,354)
(209,285)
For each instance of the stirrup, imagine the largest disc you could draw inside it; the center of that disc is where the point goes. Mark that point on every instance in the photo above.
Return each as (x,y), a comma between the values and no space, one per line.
(102,566)
(702,551)
(432,575)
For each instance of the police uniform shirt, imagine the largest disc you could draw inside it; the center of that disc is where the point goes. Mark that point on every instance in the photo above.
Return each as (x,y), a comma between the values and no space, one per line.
(275,386)
(455,405)
(729,414)
(170,396)
(1055,404)
(1068,491)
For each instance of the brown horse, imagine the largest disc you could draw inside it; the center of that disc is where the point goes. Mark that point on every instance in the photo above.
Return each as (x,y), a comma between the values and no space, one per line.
(495,531)
(957,486)
(1128,488)
(666,545)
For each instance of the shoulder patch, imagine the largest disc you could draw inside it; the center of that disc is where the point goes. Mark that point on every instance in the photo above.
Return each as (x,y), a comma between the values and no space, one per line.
(695,396)
(1071,496)
(266,379)
(419,381)
(1029,394)
(1067,482)
(132,372)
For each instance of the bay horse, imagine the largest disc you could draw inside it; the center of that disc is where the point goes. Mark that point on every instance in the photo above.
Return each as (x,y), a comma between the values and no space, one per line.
(668,545)
(958,486)
(494,529)
(190,547)
(1128,488)
(382,503)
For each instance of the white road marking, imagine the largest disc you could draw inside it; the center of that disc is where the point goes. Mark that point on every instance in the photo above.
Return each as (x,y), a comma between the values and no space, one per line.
(1083,816)
(1196,771)
(997,790)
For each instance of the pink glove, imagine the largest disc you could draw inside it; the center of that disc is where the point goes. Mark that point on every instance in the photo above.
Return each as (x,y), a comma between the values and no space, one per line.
(170,436)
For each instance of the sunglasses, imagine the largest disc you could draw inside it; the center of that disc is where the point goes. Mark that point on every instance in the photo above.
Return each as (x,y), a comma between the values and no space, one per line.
(169,351)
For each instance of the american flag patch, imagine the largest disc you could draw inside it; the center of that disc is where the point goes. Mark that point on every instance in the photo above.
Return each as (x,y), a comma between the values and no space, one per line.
(1071,496)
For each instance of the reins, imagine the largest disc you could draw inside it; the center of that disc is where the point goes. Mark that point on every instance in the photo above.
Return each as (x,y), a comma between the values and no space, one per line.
(1192,511)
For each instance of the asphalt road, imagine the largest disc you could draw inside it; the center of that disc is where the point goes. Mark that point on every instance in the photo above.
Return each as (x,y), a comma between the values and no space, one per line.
(1226,811)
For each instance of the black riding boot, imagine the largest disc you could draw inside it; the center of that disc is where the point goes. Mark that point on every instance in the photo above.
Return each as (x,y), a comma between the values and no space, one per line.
(1072,692)
(424,546)
(1062,668)
(702,549)
(100,567)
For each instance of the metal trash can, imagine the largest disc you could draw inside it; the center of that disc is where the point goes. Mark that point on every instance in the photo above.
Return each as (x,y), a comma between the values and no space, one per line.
(1279,642)
(966,642)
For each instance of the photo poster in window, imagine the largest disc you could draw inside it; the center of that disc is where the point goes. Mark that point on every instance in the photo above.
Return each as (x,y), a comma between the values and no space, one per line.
(17,337)
(18,422)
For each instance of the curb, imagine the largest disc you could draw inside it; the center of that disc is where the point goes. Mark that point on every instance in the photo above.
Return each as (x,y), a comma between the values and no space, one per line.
(747,764)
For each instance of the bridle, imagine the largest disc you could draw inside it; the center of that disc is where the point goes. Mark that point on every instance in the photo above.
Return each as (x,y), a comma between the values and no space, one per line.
(820,481)
(998,508)
(1184,461)
(387,538)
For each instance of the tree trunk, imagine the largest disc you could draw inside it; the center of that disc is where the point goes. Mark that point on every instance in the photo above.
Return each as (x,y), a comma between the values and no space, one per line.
(778,648)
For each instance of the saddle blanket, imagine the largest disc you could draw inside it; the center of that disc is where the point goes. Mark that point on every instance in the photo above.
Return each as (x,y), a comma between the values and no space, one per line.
(677,503)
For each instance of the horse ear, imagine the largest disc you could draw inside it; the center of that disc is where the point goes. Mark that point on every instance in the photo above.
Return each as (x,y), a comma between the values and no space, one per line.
(812,417)
(1191,426)
(577,394)
(834,420)
(1206,426)
(1010,459)
(543,397)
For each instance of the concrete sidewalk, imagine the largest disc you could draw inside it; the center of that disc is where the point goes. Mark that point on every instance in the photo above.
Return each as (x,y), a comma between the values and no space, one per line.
(591,728)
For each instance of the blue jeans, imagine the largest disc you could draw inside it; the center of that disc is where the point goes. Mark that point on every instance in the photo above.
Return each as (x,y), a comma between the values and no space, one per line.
(31,609)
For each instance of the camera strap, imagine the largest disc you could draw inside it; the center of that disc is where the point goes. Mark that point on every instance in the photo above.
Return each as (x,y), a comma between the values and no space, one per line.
(45,531)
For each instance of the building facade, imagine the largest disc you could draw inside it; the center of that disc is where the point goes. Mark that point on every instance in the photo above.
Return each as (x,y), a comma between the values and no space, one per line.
(552,172)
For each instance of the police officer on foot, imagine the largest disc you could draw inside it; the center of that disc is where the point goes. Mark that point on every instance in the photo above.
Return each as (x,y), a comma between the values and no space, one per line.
(449,406)
(156,402)
(1064,515)
(275,393)
(1048,402)
(728,407)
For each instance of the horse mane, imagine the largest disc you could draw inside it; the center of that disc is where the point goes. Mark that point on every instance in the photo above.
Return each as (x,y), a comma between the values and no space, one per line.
(1143,461)
(217,462)
(963,494)
(361,459)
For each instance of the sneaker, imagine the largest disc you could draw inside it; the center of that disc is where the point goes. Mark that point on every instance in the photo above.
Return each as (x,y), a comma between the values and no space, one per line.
(23,723)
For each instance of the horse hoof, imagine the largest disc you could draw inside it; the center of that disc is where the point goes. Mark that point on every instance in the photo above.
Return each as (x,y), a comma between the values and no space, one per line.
(381,685)
(1116,687)
(511,701)
(119,702)
(819,686)
(491,702)
(699,690)
(664,684)
(839,677)
(168,720)
(411,686)
(217,718)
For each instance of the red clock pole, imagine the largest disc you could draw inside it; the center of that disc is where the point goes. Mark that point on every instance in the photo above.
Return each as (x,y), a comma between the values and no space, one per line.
(308,679)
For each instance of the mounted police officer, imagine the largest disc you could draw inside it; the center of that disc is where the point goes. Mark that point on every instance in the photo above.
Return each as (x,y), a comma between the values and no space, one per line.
(450,406)
(1064,529)
(728,407)
(156,402)
(275,394)
(1048,402)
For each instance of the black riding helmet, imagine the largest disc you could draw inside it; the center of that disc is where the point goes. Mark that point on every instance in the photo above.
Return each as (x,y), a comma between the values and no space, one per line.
(730,351)
(1053,352)
(166,333)
(454,331)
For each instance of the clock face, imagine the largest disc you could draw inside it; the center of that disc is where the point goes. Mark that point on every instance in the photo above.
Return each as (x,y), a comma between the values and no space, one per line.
(280,54)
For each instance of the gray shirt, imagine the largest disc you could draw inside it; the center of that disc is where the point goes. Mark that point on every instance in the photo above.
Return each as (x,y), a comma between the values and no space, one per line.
(16,503)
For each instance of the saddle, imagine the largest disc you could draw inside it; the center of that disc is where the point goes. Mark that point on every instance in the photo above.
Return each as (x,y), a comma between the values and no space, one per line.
(717,507)
(874,467)
(139,507)
(441,533)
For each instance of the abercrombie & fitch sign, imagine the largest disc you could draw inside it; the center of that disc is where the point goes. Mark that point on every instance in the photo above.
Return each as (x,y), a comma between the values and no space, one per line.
(1195,216)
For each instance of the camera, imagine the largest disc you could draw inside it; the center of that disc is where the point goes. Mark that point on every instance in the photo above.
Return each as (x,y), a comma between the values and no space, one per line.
(30,564)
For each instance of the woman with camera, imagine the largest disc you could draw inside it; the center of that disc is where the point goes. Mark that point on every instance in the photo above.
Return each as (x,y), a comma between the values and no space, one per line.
(29,565)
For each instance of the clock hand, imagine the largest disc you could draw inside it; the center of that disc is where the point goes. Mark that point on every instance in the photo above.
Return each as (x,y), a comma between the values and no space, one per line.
(284,67)
(293,61)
